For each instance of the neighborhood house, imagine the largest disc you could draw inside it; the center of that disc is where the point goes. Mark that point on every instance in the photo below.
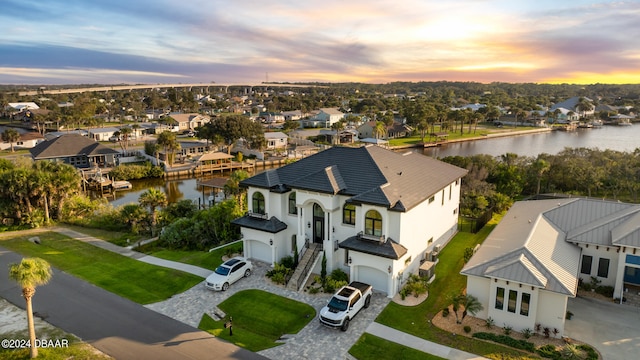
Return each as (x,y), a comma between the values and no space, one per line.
(373,212)
(533,261)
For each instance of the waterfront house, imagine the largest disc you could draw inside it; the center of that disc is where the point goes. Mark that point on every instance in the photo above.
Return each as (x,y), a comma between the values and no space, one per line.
(375,213)
(393,131)
(533,261)
(276,140)
(77,150)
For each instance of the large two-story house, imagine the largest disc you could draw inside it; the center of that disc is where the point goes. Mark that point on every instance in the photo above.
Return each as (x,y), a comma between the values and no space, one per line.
(532,262)
(373,212)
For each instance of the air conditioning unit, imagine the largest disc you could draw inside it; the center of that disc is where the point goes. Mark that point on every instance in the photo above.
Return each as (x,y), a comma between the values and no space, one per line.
(427,256)
(437,248)
(434,256)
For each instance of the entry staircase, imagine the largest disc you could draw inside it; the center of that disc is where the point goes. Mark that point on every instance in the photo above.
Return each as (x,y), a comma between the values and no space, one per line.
(303,270)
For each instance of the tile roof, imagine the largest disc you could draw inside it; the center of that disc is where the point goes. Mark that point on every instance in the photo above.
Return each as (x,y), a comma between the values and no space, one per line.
(70,145)
(272,225)
(388,249)
(368,174)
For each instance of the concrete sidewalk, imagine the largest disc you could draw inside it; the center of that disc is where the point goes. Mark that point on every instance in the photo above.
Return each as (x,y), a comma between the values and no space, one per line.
(417,343)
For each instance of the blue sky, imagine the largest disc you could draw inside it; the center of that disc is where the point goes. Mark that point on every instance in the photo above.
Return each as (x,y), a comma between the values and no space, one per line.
(167,41)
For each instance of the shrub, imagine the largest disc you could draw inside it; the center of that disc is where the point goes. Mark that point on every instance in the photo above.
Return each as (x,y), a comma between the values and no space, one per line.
(339,275)
(527,333)
(605,291)
(468,253)
(591,353)
(547,332)
(467,329)
(506,340)
(489,322)
(549,351)
(445,312)
(288,262)
(507,329)
(568,315)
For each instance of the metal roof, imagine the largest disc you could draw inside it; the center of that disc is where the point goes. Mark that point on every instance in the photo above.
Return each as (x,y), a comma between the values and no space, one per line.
(534,242)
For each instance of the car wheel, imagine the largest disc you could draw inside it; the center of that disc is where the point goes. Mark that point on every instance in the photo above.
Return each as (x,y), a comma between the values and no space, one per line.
(367,302)
(247,273)
(345,325)
(225,286)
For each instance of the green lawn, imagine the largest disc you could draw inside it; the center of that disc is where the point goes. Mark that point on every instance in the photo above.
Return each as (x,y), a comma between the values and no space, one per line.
(203,259)
(480,131)
(140,282)
(259,319)
(114,237)
(371,347)
(416,320)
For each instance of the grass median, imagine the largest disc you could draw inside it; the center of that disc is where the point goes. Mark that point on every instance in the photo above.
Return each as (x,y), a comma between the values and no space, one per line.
(259,319)
(140,282)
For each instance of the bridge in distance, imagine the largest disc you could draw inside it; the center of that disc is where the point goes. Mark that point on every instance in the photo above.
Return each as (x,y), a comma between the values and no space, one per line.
(105,88)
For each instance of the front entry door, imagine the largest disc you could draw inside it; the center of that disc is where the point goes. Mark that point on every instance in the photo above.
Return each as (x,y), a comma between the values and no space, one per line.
(318,224)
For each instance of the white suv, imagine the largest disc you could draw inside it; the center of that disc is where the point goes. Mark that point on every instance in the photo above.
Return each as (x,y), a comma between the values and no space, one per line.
(229,272)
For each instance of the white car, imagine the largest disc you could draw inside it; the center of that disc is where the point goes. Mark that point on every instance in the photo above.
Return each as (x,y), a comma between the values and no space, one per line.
(229,272)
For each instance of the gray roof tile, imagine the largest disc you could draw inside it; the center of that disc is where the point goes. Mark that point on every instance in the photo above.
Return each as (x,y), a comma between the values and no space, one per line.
(368,174)
(69,145)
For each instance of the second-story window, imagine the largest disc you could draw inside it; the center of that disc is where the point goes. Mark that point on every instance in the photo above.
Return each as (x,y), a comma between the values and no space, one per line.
(373,223)
(258,205)
(349,214)
(293,210)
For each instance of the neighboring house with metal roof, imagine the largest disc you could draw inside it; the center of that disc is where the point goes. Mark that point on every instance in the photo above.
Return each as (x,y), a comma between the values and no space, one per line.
(532,262)
(77,150)
(374,212)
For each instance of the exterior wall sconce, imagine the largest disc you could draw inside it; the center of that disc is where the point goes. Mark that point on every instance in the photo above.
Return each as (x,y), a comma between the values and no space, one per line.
(333,229)
(309,224)
(389,269)
(271,242)
(241,236)
(349,260)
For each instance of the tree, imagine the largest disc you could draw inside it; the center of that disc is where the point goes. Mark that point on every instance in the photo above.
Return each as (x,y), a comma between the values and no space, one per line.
(29,274)
(11,136)
(337,127)
(169,142)
(471,305)
(125,134)
(153,198)
(235,127)
(379,130)
(540,166)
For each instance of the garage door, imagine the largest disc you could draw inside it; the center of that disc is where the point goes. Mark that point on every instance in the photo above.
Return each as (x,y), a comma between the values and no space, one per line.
(375,277)
(260,251)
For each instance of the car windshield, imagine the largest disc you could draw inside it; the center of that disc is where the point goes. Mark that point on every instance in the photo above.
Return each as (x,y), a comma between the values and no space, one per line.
(222,270)
(337,304)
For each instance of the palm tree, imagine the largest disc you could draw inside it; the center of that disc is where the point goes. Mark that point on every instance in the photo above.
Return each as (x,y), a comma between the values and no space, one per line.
(153,198)
(125,133)
(471,305)
(169,142)
(540,166)
(455,306)
(29,274)
(11,136)
(379,130)
(337,127)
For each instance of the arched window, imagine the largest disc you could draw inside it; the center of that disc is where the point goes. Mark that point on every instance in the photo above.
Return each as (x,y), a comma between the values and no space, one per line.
(373,223)
(293,210)
(349,214)
(258,203)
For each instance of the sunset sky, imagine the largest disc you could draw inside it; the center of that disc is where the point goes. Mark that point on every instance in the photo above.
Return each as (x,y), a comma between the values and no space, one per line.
(168,41)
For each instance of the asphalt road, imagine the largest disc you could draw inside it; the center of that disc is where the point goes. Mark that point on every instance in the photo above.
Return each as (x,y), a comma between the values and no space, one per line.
(114,325)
